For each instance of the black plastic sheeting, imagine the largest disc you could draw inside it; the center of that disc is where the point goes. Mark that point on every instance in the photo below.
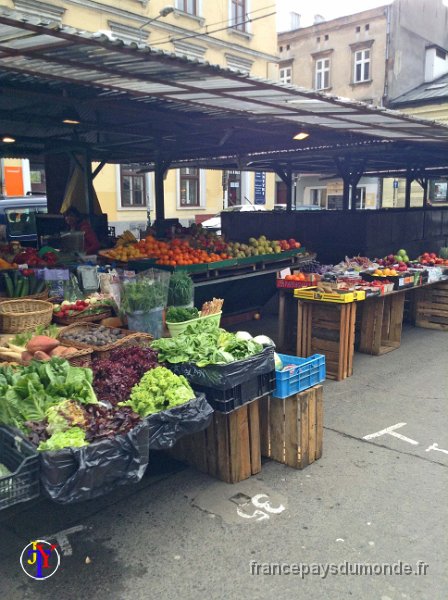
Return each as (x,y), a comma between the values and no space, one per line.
(223,377)
(78,474)
(166,427)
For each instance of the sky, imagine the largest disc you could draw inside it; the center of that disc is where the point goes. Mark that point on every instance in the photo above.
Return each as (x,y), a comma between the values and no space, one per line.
(330,9)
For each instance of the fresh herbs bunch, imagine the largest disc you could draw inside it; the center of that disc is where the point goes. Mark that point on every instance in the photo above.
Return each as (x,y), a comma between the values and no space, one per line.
(180,291)
(142,295)
(177,314)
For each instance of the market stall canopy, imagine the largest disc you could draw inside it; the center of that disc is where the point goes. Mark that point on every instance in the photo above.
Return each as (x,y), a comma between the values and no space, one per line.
(64,89)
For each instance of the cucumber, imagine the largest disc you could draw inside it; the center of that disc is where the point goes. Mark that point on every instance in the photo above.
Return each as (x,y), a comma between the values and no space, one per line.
(15,276)
(26,287)
(32,281)
(18,288)
(41,285)
(9,285)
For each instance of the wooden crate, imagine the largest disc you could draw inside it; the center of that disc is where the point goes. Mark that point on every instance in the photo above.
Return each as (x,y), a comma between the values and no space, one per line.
(382,323)
(329,329)
(229,449)
(291,429)
(431,307)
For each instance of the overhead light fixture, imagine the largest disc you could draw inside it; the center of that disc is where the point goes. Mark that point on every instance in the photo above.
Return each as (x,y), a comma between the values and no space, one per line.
(70,117)
(302,135)
(7,139)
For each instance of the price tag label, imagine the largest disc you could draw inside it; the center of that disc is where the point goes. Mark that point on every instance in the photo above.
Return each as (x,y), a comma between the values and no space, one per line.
(285,272)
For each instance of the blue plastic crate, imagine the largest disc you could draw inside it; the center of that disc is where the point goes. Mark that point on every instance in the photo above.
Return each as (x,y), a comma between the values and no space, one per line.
(307,372)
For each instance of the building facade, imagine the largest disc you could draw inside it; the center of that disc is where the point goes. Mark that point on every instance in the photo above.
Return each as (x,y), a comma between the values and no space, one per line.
(373,56)
(237,34)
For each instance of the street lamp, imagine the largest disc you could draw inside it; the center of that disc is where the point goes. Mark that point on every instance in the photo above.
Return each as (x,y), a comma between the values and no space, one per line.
(162,13)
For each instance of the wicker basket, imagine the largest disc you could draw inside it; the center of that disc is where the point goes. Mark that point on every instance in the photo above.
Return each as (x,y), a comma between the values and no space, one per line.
(17,316)
(134,338)
(82,358)
(75,319)
(131,339)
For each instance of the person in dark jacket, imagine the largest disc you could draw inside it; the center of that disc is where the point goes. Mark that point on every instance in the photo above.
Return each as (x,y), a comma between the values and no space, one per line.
(78,222)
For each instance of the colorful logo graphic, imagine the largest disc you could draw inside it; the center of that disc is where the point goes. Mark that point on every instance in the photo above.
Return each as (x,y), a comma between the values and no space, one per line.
(40,559)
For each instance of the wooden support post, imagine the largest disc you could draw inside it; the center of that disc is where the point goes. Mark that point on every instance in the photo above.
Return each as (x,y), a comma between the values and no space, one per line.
(159,176)
(407,197)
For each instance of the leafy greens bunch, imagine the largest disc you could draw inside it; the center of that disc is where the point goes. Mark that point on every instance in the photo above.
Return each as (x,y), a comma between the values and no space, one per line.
(26,393)
(159,389)
(203,343)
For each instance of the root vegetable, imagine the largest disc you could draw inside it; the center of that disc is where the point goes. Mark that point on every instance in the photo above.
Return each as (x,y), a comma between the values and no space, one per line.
(26,357)
(41,343)
(39,355)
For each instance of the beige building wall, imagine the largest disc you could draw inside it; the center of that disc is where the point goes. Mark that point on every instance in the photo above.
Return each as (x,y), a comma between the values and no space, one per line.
(337,40)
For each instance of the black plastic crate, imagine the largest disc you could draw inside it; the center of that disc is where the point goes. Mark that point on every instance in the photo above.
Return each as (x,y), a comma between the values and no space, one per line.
(22,460)
(229,399)
(402,281)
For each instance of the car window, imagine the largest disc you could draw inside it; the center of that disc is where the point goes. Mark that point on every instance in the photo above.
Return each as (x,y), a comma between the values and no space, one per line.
(21,221)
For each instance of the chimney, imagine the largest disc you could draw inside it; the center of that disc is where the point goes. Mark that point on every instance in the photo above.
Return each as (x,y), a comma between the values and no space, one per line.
(436,63)
(318,19)
(294,20)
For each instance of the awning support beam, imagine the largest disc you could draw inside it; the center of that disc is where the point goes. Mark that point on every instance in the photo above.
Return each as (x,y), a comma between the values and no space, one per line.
(161,168)
(285,175)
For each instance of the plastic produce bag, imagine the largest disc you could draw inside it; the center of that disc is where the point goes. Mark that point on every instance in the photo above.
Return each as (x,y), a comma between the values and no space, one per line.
(79,474)
(222,377)
(166,427)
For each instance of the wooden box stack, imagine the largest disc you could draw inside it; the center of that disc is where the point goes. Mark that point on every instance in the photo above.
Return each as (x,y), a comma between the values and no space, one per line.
(431,307)
(291,429)
(381,324)
(329,329)
(229,449)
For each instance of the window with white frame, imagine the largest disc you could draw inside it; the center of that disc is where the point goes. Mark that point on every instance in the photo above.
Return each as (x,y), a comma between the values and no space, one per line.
(189,188)
(133,187)
(188,6)
(285,74)
(238,14)
(361,71)
(322,74)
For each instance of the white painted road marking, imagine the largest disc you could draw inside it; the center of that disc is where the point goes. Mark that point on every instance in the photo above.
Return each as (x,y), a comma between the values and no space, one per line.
(391,431)
(436,448)
(262,508)
(62,539)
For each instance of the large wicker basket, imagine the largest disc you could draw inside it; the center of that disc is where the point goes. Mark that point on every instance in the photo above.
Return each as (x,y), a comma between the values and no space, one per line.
(17,316)
(131,338)
(82,358)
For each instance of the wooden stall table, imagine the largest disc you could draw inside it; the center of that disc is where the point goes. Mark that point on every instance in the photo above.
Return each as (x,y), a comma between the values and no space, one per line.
(382,323)
(327,328)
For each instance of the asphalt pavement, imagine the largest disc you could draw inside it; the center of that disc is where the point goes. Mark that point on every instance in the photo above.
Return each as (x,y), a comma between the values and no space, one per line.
(377,499)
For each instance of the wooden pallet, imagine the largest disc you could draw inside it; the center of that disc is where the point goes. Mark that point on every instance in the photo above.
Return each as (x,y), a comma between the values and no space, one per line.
(291,429)
(381,324)
(431,307)
(329,329)
(229,449)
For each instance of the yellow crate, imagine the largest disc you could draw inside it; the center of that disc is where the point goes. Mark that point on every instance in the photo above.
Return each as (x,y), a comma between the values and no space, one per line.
(338,297)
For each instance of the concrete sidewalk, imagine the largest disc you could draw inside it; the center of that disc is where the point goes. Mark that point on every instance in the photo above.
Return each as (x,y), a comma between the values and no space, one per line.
(178,535)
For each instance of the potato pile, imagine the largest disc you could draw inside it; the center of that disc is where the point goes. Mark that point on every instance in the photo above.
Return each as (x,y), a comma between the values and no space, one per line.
(98,336)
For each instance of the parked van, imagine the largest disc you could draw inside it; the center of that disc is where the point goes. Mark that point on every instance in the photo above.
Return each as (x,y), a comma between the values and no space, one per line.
(18,217)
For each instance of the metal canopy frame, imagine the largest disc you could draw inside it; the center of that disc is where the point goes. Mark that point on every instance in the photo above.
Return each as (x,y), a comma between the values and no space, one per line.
(141,105)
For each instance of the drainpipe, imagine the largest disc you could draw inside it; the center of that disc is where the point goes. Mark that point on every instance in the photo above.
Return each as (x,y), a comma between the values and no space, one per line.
(388,11)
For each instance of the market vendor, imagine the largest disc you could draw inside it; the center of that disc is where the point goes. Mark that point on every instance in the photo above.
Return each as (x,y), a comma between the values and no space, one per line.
(78,222)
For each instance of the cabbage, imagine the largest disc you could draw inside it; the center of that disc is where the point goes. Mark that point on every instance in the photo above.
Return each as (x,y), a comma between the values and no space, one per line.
(243,336)
(264,340)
